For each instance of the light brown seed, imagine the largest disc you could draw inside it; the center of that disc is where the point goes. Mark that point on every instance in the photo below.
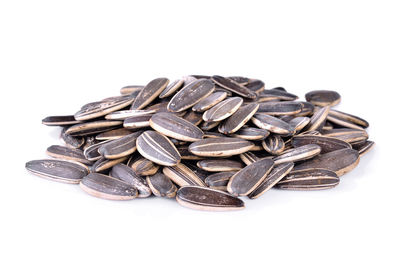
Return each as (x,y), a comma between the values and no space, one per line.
(182,175)
(220,147)
(202,198)
(149,93)
(249,178)
(161,185)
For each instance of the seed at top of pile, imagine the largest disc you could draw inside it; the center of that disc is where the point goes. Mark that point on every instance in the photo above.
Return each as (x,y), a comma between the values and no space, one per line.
(255,86)
(318,119)
(223,109)
(131,89)
(272,124)
(238,119)
(234,87)
(60,120)
(66,153)
(120,147)
(220,147)
(190,95)
(298,154)
(172,88)
(351,136)
(327,144)
(173,126)
(348,117)
(94,127)
(150,92)
(157,148)
(203,198)
(209,101)
(323,98)
(280,108)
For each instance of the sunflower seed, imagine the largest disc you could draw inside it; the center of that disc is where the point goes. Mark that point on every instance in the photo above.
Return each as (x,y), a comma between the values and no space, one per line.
(364,147)
(343,122)
(299,123)
(249,178)
(309,179)
(223,109)
(127,175)
(255,86)
(340,161)
(323,98)
(190,95)
(107,187)
(193,117)
(240,80)
(137,122)
(66,153)
(281,95)
(209,101)
(280,108)
(113,134)
(103,164)
(161,185)
(317,120)
(172,88)
(71,141)
(202,198)
(58,170)
(149,93)
(327,144)
(181,175)
(306,110)
(351,136)
(234,87)
(248,157)
(219,165)
(144,167)
(60,120)
(213,135)
(157,148)
(238,119)
(220,147)
(209,125)
(132,89)
(348,117)
(272,124)
(124,114)
(98,109)
(186,154)
(94,127)
(173,126)
(298,154)
(120,147)
(250,133)
(92,152)
(273,144)
(219,181)
(276,174)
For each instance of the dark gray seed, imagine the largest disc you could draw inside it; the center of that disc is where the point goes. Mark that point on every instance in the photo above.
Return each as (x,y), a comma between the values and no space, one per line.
(352,136)
(209,125)
(202,198)
(282,95)
(238,119)
(273,144)
(223,109)
(309,133)
(299,123)
(348,117)
(94,127)
(191,95)
(71,141)
(60,120)
(213,135)
(132,89)
(317,120)
(144,167)
(149,93)
(182,175)
(92,152)
(70,154)
(106,187)
(323,98)
(256,86)
(220,89)
(127,175)
(124,114)
(113,134)
(98,109)
(306,110)
(249,178)
(173,126)
(298,154)
(241,80)
(202,174)
(309,179)
(193,117)
(172,88)
(219,147)
(157,148)
(279,89)
(343,122)
(58,170)
(234,87)
(161,185)
(209,101)
(327,144)
(267,98)
(219,181)
(219,165)
(120,147)
(103,164)
(201,76)
(287,118)
(280,108)
(365,147)
(272,124)
(137,122)
(248,157)
(186,154)
(250,133)
(276,174)
(340,161)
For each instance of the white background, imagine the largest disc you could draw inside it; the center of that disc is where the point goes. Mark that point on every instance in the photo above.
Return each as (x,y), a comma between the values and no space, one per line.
(58,55)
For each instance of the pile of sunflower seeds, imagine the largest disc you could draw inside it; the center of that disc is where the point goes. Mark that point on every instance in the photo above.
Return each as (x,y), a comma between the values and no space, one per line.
(205,140)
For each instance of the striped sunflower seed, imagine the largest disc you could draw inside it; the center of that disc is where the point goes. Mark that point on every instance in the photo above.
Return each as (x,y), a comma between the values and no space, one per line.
(219,181)
(220,165)
(273,144)
(193,117)
(318,119)
(149,93)
(349,118)
(66,153)
(161,185)
(182,175)
(172,88)
(352,136)
(209,101)
(71,141)
(60,120)
(298,154)
(248,157)
(223,109)
(309,179)
(125,114)
(280,108)
(92,152)
(238,119)
(132,89)
(103,164)
(323,98)
(113,134)
(127,175)
(234,87)
(120,147)
(272,124)
(256,86)
(327,144)
(143,167)
(220,147)
(137,122)
(94,127)
(364,147)
(251,133)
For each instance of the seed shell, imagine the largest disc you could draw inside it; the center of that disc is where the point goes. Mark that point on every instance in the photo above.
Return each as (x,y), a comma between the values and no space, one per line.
(132,89)
(127,175)
(120,147)
(255,86)
(103,164)
(234,87)
(298,154)
(219,165)
(144,167)
(280,108)
(223,109)
(70,154)
(327,144)
(94,127)
(60,120)
(172,88)
(272,124)
(248,157)
(161,185)
(113,134)
(238,119)
(149,93)
(182,175)
(92,152)
(309,179)
(137,122)
(323,98)
(273,144)
(317,120)
(251,133)
(124,114)
(365,147)
(71,141)
(209,101)
(348,117)
(219,181)
(220,147)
